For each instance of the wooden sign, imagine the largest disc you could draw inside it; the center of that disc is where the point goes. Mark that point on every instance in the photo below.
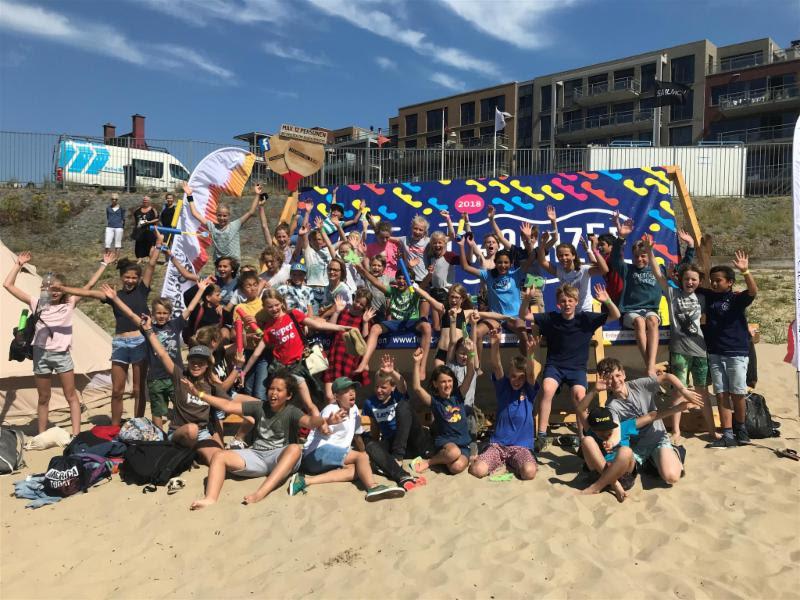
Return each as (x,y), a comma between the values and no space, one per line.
(304,135)
(304,157)
(275,157)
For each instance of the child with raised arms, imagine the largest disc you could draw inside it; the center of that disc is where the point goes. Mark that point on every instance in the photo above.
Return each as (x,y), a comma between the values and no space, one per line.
(328,456)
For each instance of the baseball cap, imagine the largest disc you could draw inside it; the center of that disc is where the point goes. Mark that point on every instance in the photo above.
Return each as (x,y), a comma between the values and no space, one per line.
(200,352)
(341,384)
(299,267)
(600,418)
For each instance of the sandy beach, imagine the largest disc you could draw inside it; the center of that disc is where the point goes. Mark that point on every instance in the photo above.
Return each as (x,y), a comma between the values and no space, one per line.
(729,529)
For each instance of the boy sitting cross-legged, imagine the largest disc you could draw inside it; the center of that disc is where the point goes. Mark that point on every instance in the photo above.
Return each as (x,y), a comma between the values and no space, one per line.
(328,456)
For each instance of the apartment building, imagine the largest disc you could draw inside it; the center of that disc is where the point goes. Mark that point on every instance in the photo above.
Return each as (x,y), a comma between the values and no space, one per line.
(468,120)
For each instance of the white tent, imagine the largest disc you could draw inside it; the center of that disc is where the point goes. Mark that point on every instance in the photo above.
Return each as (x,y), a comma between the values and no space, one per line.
(91,353)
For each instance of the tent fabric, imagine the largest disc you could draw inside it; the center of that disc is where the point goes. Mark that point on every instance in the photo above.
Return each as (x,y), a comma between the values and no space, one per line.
(91,353)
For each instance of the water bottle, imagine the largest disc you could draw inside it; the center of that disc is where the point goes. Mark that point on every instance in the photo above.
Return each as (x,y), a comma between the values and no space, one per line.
(45,297)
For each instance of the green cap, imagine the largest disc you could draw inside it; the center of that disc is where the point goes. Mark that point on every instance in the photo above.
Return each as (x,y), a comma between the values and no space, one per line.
(341,384)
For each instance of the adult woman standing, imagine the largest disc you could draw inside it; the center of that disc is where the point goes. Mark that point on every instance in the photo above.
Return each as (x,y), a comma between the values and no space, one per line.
(144,216)
(53,338)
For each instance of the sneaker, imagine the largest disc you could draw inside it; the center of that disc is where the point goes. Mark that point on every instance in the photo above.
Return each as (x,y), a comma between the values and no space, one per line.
(541,443)
(297,484)
(741,436)
(236,444)
(723,443)
(384,492)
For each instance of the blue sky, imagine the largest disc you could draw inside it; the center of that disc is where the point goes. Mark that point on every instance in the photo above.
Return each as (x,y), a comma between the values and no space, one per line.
(210,69)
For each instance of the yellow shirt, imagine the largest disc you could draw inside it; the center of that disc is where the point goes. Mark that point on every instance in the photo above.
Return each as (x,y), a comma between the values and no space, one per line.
(251,308)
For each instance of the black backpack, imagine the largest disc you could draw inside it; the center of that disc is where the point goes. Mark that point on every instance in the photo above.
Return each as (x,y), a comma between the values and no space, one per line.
(759,421)
(68,475)
(155,462)
(21,348)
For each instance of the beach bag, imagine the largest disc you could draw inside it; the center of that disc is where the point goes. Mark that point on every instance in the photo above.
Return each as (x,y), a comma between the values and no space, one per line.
(759,420)
(155,462)
(313,356)
(68,475)
(354,342)
(87,442)
(11,448)
(140,429)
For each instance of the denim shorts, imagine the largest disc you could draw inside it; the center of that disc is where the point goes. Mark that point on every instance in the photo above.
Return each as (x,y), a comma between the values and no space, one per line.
(128,350)
(50,362)
(643,453)
(569,377)
(408,326)
(260,463)
(324,458)
(202,434)
(629,317)
(728,373)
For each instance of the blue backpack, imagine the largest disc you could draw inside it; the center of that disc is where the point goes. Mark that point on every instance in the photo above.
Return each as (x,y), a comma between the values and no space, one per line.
(68,475)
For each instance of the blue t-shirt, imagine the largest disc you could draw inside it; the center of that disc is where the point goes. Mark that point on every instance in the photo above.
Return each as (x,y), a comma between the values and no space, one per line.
(514,423)
(568,339)
(504,290)
(385,413)
(627,429)
(641,290)
(726,331)
(450,417)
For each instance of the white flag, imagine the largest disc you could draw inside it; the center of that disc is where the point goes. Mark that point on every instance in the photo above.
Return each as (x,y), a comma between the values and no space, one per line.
(796,203)
(500,119)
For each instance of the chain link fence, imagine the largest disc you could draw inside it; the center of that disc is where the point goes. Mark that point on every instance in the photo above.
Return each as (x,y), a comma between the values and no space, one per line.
(42,159)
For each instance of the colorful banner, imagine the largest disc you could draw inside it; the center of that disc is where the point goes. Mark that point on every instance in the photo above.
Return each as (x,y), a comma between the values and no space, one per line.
(585,203)
(223,172)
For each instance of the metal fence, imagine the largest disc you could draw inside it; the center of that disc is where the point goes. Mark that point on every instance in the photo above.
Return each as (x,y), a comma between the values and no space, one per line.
(39,159)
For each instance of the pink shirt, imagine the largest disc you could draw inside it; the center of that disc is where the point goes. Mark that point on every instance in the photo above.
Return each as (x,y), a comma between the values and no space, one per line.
(390,251)
(54,327)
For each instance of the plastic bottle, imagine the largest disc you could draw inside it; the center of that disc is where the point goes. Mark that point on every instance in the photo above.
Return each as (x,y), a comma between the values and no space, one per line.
(45,297)
(23,319)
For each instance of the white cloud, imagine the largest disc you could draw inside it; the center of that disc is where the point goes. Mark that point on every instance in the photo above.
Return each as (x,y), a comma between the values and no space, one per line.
(366,16)
(519,23)
(387,64)
(444,80)
(203,12)
(103,39)
(283,51)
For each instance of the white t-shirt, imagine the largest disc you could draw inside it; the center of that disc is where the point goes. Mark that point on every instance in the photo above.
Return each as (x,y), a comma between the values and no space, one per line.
(460,371)
(341,434)
(582,280)
(316,262)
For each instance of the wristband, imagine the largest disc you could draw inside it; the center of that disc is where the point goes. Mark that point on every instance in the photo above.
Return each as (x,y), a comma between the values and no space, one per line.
(105,264)
(189,198)
(471,355)
(201,394)
(147,331)
(237,369)
(746,272)
(607,301)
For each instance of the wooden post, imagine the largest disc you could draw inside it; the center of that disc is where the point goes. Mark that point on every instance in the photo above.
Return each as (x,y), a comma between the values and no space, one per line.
(289,209)
(702,244)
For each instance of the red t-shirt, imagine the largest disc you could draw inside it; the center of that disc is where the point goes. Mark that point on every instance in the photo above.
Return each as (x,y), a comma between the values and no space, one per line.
(283,336)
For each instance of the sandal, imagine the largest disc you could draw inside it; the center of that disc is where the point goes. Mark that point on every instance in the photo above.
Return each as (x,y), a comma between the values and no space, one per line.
(149,488)
(410,483)
(175,485)
(507,476)
(788,453)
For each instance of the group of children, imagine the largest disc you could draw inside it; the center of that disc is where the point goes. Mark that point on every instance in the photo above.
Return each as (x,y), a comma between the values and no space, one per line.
(328,281)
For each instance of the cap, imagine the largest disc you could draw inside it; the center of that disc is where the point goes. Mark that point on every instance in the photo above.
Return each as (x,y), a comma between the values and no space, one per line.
(600,418)
(200,352)
(299,267)
(341,384)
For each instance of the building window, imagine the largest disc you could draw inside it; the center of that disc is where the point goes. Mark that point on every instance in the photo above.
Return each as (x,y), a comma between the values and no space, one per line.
(466,137)
(433,141)
(648,77)
(569,90)
(742,61)
(525,132)
(411,124)
(680,136)
(342,138)
(623,113)
(486,134)
(646,136)
(489,104)
(435,119)
(411,143)
(683,112)
(467,113)
(682,69)
(525,104)
(544,128)
(546,97)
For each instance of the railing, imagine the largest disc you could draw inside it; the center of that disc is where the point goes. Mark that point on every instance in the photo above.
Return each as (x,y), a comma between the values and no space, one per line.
(30,159)
(602,87)
(743,61)
(607,120)
(759,96)
(758,134)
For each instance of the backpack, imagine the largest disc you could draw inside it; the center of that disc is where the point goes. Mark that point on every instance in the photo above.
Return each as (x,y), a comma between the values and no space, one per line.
(68,475)
(21,347)
(11,445)
(759,420)
(87,442)
(140,429)
(155,462)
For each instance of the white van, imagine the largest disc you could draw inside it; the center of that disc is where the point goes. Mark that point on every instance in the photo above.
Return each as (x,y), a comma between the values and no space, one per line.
(85,161)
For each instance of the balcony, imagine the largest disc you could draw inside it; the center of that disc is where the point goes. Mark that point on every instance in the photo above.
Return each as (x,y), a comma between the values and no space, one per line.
(749,102)
(619,90)
(753,59)
(758,134)
(612,124)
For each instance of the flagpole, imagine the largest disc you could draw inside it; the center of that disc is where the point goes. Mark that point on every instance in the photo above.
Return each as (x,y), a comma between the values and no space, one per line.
(494,150)
(796,232)
(656,107)
(442,174)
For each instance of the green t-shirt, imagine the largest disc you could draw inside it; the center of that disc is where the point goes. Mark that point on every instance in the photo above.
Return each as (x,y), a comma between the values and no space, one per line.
(273,429)
(403,306)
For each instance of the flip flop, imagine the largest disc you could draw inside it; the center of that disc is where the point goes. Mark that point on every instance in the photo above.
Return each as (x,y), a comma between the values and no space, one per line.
(411,483)
(507,476)
(150,487)
(413,465)
(788,453)
(175,485)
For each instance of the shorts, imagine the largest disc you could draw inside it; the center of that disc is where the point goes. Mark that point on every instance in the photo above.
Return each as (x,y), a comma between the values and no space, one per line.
(682,365)
(161,391)
(113,236)
(513,457)
(202,434)
(324,458)
(439,294)
(260,463)
(571,377)
(51,362)
(728,373)
(128,350)
(406,326)
(440,443)
(441,355)
(629,317)
(643,453)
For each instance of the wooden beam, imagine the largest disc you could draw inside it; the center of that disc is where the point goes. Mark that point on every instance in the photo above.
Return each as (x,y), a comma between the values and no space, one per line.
(702,245)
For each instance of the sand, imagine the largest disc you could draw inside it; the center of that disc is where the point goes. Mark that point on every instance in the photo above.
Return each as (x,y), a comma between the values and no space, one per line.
(729,529)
